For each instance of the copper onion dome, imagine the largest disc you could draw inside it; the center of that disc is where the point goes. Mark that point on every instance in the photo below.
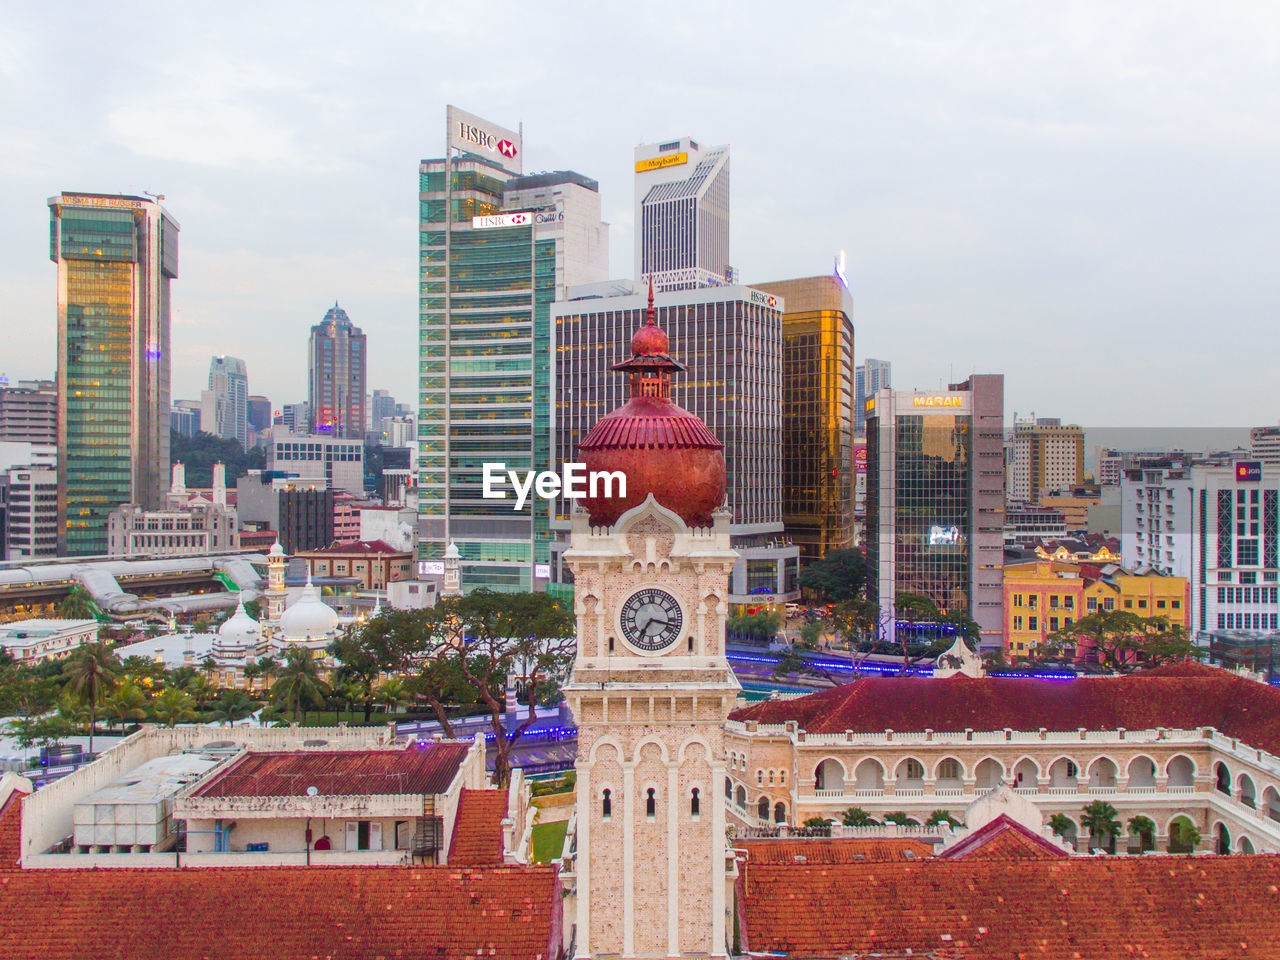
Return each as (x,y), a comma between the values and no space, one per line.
(662,448)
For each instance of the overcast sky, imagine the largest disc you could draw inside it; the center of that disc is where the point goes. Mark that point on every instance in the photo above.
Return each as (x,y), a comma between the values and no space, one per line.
(1085,197)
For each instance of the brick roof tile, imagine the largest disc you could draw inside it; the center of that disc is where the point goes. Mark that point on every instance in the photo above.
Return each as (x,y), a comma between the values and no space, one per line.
(477,829)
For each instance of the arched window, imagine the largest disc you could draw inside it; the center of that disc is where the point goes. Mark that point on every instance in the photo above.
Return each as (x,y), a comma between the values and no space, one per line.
(728,789)
(771,778)
(759,778)
(650,802)
(762,809)
(949,769)
(780,813)
(606,804)
(782,777)
(695,802)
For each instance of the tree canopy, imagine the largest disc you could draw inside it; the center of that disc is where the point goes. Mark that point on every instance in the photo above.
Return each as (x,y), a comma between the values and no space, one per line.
(198,454)
(1122,641)
(837,578)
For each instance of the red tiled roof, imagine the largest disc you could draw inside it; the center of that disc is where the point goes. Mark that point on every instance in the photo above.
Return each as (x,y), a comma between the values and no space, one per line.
(1004,839)
(842,850)
(418,769)
(1082,908)
(359,547)
(1184,696)
(477,830)
(275,913)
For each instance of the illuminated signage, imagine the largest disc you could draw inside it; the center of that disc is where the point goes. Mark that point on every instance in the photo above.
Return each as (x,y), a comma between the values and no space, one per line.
(840,273)
(657,163)
(502,220)
(473,134)
(763,298)
(945,536)
(870,406)
(542,571)
(80,200)
(937,401)
(1248,471)
(431,568)
(860,459)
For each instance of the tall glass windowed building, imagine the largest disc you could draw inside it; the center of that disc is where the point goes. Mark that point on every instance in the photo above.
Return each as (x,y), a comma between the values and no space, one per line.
(337,376)
(682,214)
(116,256)
(935,500)
(494,249)
(817,413)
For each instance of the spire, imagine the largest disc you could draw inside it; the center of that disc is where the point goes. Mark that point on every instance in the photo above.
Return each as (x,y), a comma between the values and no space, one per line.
(651,314)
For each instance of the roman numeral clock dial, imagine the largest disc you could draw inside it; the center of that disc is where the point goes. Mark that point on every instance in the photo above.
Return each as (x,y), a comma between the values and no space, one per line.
(651,620)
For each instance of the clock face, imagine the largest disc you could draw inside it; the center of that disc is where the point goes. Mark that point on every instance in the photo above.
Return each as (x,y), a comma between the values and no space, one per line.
(651,619)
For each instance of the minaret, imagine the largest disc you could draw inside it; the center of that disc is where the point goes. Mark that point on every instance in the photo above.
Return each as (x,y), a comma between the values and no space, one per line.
(276,594)
(452,571)
(651,688)
(220,484)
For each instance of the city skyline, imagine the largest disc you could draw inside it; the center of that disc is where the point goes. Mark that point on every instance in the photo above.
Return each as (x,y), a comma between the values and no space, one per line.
(1049,170)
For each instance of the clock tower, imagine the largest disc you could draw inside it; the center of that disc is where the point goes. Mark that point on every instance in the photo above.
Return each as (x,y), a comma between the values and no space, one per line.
(651,687)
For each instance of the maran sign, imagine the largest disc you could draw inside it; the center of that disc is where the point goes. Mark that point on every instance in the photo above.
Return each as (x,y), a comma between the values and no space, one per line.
(473,134)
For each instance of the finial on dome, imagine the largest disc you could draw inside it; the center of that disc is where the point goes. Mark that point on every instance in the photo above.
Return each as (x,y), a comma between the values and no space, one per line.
(651,313)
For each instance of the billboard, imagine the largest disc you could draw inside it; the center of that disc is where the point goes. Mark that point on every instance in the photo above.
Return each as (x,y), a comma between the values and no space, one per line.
(502,220)
(472,134)
(657,163)
(1249,471)
(946,536)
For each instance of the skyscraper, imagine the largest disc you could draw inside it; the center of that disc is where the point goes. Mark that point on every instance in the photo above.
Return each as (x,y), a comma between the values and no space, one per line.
(1047,457)
(336,376)
(495,249)
(116,256)
(682,214)
(817,412)
(228,400)
(868,380)
(29,412)
(935,502)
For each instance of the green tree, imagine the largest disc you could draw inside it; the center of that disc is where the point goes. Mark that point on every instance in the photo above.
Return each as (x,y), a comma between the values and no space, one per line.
(837,578)
(299,683)
(126,703)
(1123,641)
(857,623)
(1143,829)
(40,731)
(268,667)
(142,671)
(91,672)
(941,816)
(232,705)
(1183,836)
(857,817)
(350,692)
(485,640)
(819,826)
(383,644)
(1100,819)
(916,610)
(392,694)
(253,608)
(759,627)
(173,706)
(899,817)
(78,605)
(199,453)
(1061,824)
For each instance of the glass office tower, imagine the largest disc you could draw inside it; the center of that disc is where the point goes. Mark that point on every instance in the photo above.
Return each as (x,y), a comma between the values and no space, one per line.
(493,249)
(817,413)
(337,375)
(115,257)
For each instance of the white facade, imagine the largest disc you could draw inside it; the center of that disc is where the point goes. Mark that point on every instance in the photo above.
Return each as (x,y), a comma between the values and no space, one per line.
(32,499)
(1235,547)
(46,639)
(1264,444)
(394,525)
(1155,519)
(682,214)
(338,462)
(566,208)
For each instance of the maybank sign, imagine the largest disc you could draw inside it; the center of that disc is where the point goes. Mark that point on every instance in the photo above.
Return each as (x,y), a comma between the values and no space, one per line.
(473,134)
(657,163)
(937,401)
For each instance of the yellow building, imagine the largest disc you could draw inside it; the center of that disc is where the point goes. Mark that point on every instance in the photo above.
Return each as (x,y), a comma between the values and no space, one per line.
(1043,597)
(817,413)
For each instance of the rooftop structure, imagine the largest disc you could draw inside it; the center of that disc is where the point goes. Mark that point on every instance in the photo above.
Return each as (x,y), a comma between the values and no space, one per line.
(46,639)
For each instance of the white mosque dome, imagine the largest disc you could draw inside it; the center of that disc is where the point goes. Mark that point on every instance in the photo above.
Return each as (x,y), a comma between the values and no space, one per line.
(309,617)
(451,551)
(276,550)
(240,629)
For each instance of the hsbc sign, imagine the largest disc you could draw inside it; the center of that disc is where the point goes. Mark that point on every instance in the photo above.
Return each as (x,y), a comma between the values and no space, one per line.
(764,299)
(502,220)
(472,134)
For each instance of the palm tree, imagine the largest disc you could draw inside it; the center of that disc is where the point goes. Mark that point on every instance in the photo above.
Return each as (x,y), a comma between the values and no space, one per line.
(299,680)
(268,667)
(126,703)
(91,672)
(77,605)
(857,817)
(1144,830)
(1061,824)
(939,817)
(897,816)
(208,665)
(173,706)
(392,694)
(233,705)
(351,692)
(1103,824)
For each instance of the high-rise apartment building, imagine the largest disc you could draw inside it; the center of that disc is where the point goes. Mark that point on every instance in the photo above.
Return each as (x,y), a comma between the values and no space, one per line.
(495,249)
(1264,444)
(381,405)
(1047,457)
(337,361)
(116,256)
(29,412)
(870,377)
(935,501)
(258,413)
(184,417)
(1155,514)
(682,214)
(817,413)
(225,405)
(731,342)
(295,416)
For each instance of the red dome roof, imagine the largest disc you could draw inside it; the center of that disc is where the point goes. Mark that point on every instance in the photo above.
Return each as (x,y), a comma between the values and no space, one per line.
(661,448)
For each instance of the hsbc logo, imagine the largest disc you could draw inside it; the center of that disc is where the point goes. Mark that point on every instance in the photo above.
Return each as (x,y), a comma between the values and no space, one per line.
(480,137)
(506,148)
(764,299)
(502,220)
